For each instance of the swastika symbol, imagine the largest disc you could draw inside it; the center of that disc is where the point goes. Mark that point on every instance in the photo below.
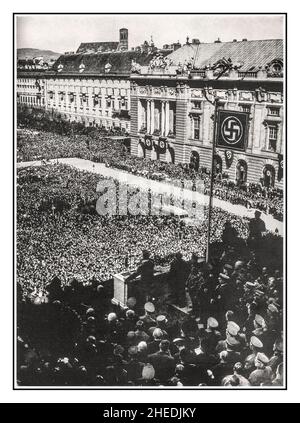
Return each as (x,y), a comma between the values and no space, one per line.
(232,130)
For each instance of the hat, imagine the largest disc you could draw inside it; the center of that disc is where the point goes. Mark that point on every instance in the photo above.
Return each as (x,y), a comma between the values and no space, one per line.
(232,328)
(224,277)
(130,313)
(272,308)
(157,333)
(142,346)
(232,341)
(228,266)
(90,311)
(256,342)
(149,307)
(161,318)
(259,292)
(112,317)
(250,285)
(238,264)
(260,320)
(178,341)
(212,322)
(262,358)
(148,372)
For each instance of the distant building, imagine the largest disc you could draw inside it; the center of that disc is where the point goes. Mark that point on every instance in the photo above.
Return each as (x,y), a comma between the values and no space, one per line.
(171,102)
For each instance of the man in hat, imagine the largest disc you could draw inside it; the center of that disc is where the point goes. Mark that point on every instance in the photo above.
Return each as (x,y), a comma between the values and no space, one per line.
(257,228)
(224,294)
(236,379)
(212,335)
(277,356)
(163,362)
(146,271)
(263,373)
(134,367)
(194,282)
(255,346)
(177,278)
(147,318)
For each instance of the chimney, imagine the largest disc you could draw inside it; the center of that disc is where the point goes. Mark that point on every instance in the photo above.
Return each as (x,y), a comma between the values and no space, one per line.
(244,39)
(123,42)
(218,40)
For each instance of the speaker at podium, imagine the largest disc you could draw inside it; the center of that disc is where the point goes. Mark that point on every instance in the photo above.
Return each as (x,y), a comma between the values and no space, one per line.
(123,291)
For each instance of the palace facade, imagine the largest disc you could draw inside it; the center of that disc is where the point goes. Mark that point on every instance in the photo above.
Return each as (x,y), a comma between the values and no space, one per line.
(167,96)
(173,103)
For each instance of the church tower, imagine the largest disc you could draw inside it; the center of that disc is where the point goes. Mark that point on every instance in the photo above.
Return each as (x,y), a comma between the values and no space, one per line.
(123,43)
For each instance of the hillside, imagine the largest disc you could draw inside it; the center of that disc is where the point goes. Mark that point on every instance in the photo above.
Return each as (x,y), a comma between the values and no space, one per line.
(30,53)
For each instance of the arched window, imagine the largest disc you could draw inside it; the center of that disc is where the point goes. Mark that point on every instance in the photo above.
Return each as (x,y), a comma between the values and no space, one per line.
(194,161)
(241,172)
(268,176)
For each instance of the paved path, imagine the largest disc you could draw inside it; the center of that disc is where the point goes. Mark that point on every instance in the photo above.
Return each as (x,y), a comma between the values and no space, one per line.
(161,188)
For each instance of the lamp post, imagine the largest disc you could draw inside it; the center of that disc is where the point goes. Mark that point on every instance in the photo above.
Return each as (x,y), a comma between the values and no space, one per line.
(215,102)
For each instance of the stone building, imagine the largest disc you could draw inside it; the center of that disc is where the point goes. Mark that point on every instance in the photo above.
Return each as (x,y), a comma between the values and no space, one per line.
(91,86)
(172,104)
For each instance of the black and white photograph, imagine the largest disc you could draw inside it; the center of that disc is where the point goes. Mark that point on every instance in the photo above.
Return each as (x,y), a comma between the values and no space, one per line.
(150,201)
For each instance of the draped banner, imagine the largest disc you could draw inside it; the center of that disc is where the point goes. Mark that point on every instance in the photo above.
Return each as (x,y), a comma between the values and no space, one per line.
(232,128)
(148,143)
(228,158)
(280,167)
(161,146)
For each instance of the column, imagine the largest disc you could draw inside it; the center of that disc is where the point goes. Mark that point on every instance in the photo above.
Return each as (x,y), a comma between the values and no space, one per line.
(162,119)
(167,118)
(152,117)
(148,117)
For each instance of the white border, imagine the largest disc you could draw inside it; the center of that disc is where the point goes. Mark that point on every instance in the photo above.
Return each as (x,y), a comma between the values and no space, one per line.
(7,394)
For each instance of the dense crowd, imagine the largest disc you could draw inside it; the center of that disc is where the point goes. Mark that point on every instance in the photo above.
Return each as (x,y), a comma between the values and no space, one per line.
(231,337)
(39,145)
(60,233)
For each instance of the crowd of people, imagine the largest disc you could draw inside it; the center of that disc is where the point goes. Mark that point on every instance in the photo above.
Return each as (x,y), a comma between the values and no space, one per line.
(66,253)
(39,145)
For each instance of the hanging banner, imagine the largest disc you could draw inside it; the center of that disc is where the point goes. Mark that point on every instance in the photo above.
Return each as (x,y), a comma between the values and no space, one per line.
(280,167)
(232,129)
(161,146)
(148,143)
(228,158)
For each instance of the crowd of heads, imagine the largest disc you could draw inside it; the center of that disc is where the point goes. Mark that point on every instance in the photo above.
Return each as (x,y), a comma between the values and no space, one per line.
(232,336)
(231,330)
(38,145)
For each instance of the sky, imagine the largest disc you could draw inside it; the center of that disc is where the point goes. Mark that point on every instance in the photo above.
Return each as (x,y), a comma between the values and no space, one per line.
(62,33)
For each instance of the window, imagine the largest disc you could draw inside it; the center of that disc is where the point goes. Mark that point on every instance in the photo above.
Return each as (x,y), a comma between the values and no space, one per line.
(273,135)
(246,108)
(273,111)
(196,105)
(196,128)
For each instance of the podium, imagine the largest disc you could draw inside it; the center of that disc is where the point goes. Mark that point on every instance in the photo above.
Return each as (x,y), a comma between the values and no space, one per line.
(122,291)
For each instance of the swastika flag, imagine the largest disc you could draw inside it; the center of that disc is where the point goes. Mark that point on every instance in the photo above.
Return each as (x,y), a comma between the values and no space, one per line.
(232,129)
